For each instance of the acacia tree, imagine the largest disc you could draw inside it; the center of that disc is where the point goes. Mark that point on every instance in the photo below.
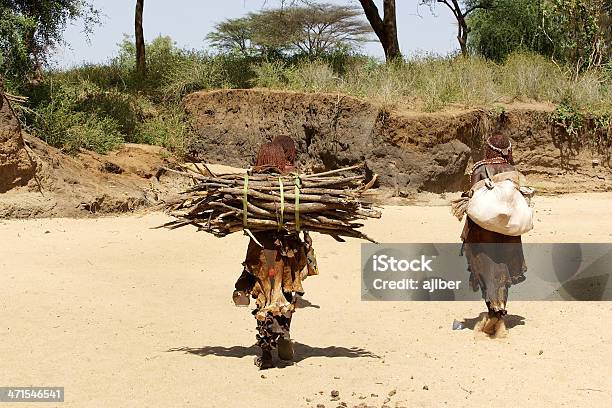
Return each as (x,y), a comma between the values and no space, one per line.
(461,10)
(141,61)
(233,35)
(325,27)
(313,30)
(385,27)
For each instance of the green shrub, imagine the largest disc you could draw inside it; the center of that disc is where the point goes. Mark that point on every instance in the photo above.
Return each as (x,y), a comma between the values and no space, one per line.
(95,133)
(124,109)
(569,117)
(162,56)
(62,122)
(62,127)
(168,130)
(531,77)
(386,84)
(105,76)
(238,70)
(270,74)
(193,74)
(435,84)
(312,76)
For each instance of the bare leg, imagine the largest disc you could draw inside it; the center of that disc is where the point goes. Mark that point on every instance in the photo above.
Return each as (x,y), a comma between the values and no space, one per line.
(491,320)
(500,329)
(285,346)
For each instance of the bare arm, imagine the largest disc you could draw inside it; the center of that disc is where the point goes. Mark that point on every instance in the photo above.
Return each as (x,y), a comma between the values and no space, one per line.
(477,175)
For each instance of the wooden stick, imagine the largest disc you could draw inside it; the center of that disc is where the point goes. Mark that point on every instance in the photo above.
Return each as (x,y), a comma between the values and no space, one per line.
(327,173)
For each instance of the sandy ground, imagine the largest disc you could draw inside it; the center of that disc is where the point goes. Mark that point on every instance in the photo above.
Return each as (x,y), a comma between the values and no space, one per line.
(126,316)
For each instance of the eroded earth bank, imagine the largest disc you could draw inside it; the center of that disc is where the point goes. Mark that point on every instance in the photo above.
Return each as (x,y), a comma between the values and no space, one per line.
(411,152)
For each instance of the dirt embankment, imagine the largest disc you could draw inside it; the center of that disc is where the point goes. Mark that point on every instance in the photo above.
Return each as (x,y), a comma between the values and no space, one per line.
(410,151)
(16,166)
(88,183)
(37,180)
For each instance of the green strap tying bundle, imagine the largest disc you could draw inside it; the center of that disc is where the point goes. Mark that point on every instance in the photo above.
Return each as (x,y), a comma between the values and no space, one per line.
(297,202)
(245,209)
(244,201)
(245,197)
(282,203)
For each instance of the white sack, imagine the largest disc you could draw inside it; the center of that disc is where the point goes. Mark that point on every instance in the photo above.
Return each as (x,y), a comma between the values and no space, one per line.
(500,207)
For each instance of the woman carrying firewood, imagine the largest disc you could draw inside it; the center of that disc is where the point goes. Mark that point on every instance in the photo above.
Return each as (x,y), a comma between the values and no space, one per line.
(273,204)
(275,265)
(495,261)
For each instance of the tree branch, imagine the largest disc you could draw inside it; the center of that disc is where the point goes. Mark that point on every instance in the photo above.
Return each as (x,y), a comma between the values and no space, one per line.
(476,7)
(450,7)
(373,16)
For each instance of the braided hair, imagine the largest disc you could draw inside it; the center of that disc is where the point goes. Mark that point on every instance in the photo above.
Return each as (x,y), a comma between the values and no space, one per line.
(288,146)
(271,155)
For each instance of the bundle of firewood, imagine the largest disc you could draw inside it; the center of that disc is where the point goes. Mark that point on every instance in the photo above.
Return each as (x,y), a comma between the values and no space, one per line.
(329,203)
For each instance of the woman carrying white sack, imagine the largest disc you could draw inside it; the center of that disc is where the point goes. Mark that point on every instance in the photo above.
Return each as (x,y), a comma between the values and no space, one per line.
(497,213)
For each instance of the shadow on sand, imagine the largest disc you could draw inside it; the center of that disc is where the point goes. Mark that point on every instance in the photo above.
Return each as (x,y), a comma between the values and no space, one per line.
(304,303)
(302,351)
(511,321)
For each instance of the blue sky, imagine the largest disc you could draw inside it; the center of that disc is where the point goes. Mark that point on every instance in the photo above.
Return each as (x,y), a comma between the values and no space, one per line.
(188,22)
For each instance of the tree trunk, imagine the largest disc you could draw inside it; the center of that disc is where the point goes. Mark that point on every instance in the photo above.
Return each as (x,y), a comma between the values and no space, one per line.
(462,37)
(141,64)
(390,22)
(36,74)
(462,27)
(385,28)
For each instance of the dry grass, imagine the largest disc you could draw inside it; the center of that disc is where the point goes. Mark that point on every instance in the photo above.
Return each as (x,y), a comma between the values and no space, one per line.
(431,84)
